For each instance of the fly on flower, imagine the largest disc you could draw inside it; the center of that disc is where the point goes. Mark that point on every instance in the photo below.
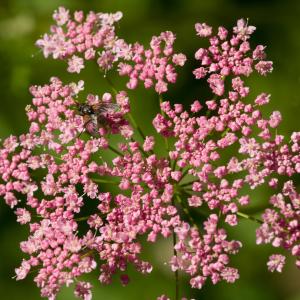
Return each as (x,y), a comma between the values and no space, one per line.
(97,115)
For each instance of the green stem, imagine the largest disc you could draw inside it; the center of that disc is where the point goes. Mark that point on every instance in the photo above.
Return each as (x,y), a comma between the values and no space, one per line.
(208,113)
(255,209)
(184,173)
(188,183)
(56,157)
(174,164)
(245,216)
(87,254)
(190,190)
(186,211)
(37,216)
(112,86)
(115,150)
(99,180)
(136,126)
(81,219)
(225,132)
(167,145)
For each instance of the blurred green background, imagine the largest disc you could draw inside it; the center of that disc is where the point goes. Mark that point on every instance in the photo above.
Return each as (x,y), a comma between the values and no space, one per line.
(21,65)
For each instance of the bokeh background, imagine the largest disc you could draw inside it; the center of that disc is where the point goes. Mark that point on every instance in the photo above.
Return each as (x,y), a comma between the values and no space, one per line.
(21,65)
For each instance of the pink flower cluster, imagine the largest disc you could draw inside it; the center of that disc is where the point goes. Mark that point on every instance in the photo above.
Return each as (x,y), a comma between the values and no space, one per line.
(204,256)
(201,142)
(281,226)
(56,180)
(93,38)
(79,38)
(54,246)
(153,65)
(229,55)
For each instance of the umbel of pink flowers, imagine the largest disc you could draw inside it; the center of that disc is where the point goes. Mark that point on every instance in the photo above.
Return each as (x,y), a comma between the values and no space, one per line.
(155,195)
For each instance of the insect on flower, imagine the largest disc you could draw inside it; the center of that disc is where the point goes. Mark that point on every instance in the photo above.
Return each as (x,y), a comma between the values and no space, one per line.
(97,115)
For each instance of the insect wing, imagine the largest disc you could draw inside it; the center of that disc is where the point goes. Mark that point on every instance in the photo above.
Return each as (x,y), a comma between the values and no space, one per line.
(105,111)
(106,108)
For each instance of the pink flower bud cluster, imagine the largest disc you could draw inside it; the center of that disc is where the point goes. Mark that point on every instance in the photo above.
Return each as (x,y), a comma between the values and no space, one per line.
(84,38)
(229,55)
(154,66)
(281,226)
(55,178)
(55,108)
(205,256)
(93,38)
(200,142)
(52,204)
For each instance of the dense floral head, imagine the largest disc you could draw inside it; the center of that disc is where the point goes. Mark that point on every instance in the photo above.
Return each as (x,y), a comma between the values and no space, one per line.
(56,176)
